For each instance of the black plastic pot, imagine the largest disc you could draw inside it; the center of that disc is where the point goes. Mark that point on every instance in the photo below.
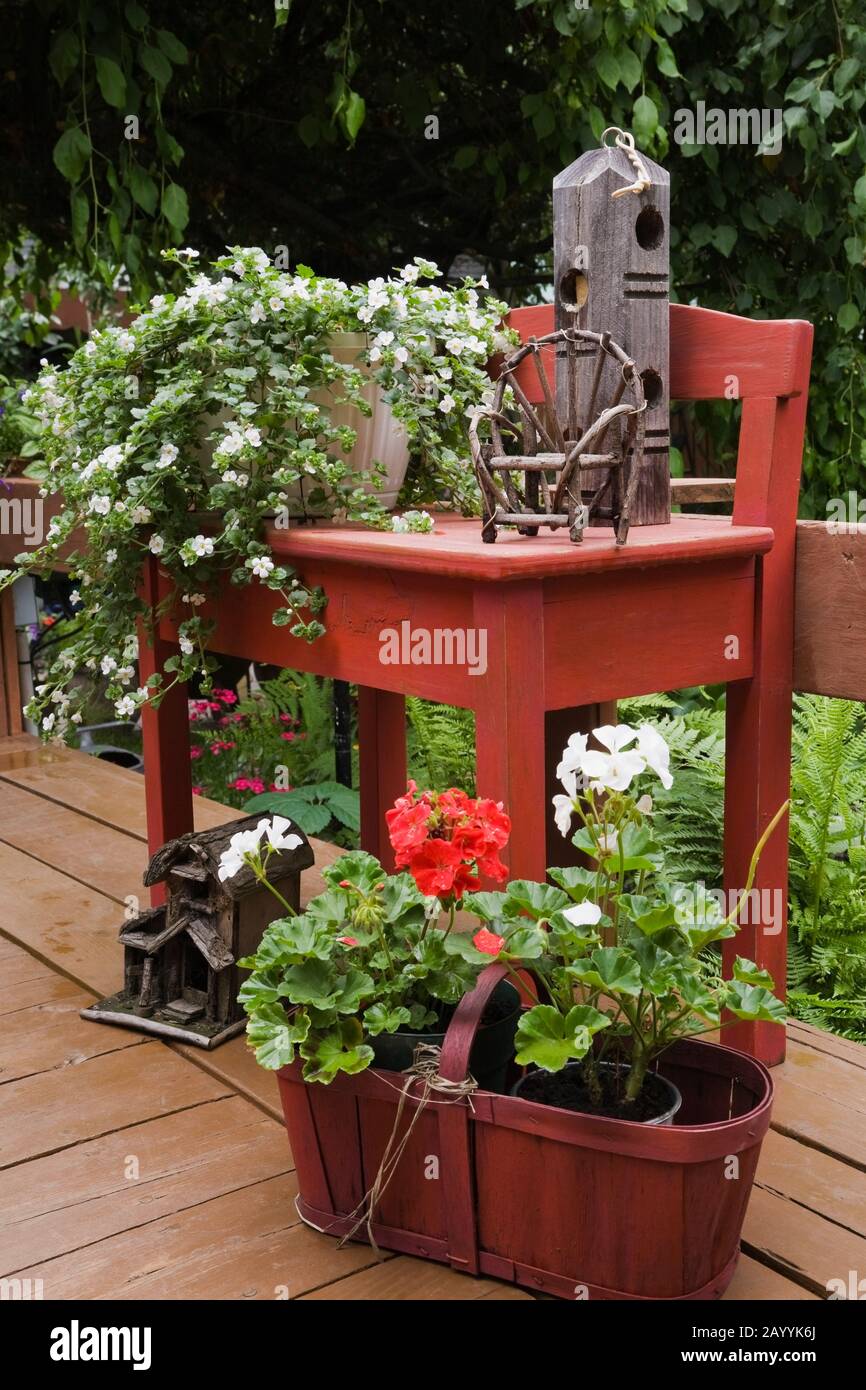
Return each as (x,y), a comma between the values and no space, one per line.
(665,1118)
(491,1053)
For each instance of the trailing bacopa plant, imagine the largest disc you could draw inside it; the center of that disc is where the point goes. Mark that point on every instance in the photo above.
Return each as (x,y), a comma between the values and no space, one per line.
(178,435)
(369,955)
(617,945)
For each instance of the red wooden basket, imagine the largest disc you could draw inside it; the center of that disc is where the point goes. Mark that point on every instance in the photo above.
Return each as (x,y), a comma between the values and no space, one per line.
(577,1206)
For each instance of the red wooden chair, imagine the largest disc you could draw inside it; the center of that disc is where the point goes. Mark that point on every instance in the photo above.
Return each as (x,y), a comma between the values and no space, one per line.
(765,364)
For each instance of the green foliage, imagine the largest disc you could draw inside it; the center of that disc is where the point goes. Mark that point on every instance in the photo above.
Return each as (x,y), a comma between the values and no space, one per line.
(317,807)
(827,878)
(395,104)
(364,958)
(441,745)
(180,435)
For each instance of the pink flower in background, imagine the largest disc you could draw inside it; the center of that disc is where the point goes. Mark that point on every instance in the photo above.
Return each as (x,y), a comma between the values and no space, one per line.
(197,791)
(196,751)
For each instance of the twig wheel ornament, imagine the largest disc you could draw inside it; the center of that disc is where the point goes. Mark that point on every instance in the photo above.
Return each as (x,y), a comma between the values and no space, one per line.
(540,484)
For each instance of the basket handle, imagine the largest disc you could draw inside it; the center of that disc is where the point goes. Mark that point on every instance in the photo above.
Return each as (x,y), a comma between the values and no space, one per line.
(454,1061)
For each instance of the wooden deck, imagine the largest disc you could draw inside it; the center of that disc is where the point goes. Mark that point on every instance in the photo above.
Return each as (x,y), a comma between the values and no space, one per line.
(136,1169)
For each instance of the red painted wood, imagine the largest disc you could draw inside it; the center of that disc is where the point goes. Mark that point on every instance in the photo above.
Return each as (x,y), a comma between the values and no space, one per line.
(165,740)
(509,732)
(708,349)
(382,739)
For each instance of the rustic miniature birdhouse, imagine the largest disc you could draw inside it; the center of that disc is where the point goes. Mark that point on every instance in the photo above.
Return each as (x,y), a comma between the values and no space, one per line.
(611,255)
(181,977)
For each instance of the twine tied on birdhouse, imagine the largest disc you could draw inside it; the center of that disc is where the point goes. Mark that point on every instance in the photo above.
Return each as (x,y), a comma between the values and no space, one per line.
(426,1068)
(625,141)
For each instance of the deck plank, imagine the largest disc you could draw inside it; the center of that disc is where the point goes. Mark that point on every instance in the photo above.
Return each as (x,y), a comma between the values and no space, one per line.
(388,1281)
(67,1201)
(798,1243)
(49,1037)
(55,1109)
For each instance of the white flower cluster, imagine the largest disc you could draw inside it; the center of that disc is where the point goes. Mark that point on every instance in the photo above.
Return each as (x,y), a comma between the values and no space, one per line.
(611,768)
(245,847)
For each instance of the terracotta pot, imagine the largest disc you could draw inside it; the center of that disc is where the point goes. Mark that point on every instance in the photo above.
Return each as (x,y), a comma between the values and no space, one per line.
(576,1205)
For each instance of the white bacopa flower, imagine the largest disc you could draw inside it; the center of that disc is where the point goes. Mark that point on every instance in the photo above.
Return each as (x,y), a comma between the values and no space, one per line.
(189,253)
(107,665)
(239,269)
(384,339)
(125,706)
(401,355)
(276,304)
(194,599)
(261,566)
(201,546)
(48,722)
(141,514)
(120,506)
(111,556)
(156,545)
(100,504)
(231,443)
(77,717)
(455,346)
(586,914)
(447,404)
(158,301)
(653,748)
(186,645)
(252,436)
(125,341)
(111,457)
(409,273)
(75,596)
(375,353)
(257,313)
(167,455)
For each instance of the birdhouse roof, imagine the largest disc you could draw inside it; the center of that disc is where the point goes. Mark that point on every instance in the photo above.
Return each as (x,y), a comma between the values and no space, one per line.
(203,848)
(608,160)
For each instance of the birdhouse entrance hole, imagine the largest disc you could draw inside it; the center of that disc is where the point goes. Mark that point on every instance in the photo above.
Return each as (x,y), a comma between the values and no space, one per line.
(574,290)
(649,228)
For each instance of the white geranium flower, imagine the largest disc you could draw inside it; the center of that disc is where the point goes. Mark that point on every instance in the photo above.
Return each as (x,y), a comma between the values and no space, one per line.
(563,812)
(612,771)
(276,830)
(233,859)
(586,914)
(156,545)
(653,748)
(572,756)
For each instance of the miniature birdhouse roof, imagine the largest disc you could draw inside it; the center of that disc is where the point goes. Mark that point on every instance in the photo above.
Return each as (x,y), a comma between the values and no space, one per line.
(196,856)
(150,930)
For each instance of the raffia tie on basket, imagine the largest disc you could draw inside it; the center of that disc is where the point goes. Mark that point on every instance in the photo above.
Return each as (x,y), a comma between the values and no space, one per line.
(426,1068)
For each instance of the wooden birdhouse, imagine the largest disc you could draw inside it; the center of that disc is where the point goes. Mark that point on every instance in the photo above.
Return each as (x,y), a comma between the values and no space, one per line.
(611,252)
(181,977)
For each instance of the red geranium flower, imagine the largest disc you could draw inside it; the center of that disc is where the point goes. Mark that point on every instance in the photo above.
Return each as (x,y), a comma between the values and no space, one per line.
(434,867)
(488,942)
(348,940)
(447,839)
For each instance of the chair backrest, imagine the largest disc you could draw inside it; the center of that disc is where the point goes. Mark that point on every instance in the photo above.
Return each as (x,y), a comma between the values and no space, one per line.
(762,362)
